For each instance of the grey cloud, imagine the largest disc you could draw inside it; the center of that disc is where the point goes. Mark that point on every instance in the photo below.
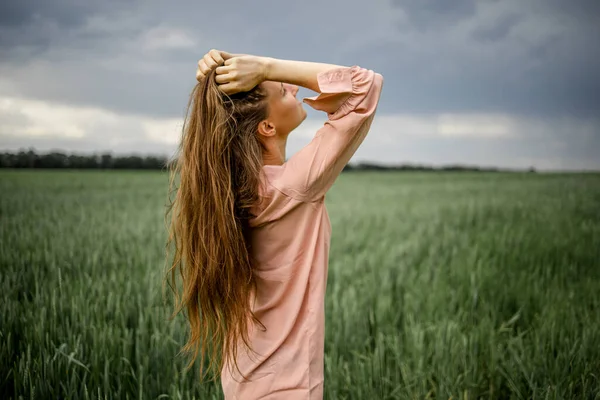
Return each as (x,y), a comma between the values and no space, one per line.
(498,31)
(520,61)
(64,13)
(555,153)
(432,14)
(527,64)
(31,28)
(19,13)
(581,10)
(13,120)
(122,91)
(68,63)
(49,143)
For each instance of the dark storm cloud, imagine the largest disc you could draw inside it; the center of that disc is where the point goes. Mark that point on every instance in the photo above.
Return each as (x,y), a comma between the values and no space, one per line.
(30,28)
(498,30)
(437,13)
(537,57)
(63,53)
(64,13)
(578,9)
(431,14)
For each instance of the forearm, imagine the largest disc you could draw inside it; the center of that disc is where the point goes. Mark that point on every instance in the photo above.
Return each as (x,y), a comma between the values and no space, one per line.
(301,73)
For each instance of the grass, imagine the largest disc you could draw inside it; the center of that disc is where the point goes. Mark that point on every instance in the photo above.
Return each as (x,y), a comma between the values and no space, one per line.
(441,285)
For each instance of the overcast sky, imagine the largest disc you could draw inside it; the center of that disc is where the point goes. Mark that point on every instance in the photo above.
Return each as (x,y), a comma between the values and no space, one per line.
(493,83)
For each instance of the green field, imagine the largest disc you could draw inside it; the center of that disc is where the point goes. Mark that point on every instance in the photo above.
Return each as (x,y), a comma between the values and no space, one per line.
(441,285)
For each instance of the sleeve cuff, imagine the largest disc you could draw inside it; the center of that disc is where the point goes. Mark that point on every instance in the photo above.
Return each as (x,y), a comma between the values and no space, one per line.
(336,88)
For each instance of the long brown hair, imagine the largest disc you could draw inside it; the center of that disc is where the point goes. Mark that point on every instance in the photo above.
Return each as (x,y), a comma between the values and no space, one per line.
(219,164)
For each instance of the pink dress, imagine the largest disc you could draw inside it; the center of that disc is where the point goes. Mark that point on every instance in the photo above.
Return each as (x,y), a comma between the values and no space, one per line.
(290,243)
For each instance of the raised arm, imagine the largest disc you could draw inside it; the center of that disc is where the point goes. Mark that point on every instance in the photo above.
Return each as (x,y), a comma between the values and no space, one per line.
(349,96)
(301,73)
(240,73)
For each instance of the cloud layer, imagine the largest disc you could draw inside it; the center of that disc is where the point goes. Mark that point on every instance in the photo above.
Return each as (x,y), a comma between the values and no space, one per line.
(521,78)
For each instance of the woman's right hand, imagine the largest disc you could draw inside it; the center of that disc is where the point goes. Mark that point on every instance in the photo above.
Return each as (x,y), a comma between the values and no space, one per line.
(241,74)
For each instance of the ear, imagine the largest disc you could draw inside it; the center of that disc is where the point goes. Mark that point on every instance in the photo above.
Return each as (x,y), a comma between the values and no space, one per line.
(266,128)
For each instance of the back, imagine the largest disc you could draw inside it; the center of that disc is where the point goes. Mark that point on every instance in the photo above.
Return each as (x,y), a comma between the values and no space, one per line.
(290,246)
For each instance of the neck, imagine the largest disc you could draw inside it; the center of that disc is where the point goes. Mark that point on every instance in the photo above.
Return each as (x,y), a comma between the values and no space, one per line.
(275,153)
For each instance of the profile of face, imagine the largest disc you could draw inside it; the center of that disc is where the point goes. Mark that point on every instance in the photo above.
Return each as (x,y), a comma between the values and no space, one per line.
(285,110)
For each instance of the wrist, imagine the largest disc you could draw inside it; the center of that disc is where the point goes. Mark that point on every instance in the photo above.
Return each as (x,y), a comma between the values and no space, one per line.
(267,68)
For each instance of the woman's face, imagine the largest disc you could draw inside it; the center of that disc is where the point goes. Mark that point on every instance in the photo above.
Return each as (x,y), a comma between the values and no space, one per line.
(285,110)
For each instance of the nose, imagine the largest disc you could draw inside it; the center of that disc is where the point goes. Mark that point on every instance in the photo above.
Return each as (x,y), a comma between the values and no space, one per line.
(294,89)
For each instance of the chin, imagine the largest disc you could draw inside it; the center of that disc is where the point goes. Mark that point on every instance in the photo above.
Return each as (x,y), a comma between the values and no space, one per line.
(303,115)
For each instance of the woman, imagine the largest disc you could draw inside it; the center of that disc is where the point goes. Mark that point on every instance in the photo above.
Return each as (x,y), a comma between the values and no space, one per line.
(251,230)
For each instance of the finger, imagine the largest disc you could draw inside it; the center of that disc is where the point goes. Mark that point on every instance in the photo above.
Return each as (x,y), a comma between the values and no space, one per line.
(201,63)
(208,60)
(204,69)
(225,55)
(229,88)
(200,74)
(224,78)
(223,70)
(216,56)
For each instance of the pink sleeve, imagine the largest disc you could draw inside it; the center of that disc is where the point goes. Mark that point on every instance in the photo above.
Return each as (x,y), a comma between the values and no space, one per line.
(349,96)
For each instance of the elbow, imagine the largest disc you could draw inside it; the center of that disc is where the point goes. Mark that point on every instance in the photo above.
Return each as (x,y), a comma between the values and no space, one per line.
(377,87)
(378,80)
(371,100)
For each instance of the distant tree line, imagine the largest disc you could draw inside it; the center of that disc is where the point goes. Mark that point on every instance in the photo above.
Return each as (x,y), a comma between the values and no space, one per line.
(56,159)
(419,167)
(30,159)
